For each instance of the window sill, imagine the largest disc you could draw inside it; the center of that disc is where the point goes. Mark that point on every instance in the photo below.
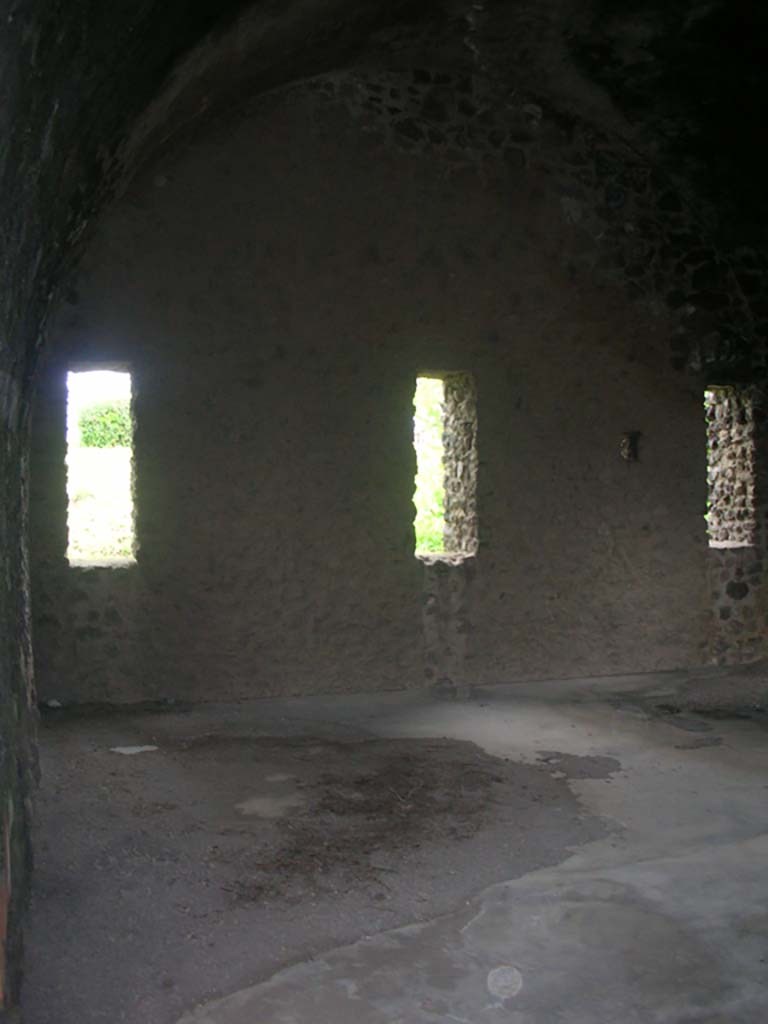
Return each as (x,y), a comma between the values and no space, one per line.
(730,545)
(444,557)
(118,562)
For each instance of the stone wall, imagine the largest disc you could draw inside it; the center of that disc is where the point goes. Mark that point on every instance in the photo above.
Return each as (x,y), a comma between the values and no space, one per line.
(632,225)
(18,762)
(74,75)
(739,604)
(275,312)
(71,78)
(447,610)
(737,436)
(730,467)
(460,461)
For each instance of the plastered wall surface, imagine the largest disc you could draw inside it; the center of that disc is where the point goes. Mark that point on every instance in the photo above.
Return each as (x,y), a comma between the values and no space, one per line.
(276,285)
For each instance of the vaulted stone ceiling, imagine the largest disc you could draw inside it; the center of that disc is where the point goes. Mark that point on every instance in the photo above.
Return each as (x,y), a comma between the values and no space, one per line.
(681,81)
(73,76)
(691,77)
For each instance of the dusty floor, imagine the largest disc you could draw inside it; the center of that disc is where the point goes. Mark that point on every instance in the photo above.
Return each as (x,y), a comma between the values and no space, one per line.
(586,852)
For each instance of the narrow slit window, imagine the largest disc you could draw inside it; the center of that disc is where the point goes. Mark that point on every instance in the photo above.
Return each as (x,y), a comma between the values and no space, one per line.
(730,516)
(445,439)
(100,517)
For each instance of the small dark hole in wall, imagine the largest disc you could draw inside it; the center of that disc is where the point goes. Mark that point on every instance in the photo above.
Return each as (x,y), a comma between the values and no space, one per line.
(629,447)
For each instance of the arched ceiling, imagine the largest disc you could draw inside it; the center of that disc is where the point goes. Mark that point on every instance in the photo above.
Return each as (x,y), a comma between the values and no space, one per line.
(680,80)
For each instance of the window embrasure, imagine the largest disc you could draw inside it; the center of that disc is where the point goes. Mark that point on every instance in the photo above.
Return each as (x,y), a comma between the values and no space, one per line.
(730,424)
(100,516)
(445,439)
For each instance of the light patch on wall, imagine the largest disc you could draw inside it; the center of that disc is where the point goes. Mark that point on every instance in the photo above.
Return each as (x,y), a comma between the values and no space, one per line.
(445,439)
(99,468)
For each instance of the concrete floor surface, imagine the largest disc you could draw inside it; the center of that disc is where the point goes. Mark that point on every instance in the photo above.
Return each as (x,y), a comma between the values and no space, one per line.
(581,852)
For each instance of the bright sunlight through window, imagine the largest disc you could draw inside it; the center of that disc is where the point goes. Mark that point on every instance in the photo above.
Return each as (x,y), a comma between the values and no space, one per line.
(429,497)
(99,468)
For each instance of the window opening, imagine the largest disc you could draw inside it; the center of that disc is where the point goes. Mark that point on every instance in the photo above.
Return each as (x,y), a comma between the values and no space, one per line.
(730,515)
(99,468)
(444,436)
(429,496)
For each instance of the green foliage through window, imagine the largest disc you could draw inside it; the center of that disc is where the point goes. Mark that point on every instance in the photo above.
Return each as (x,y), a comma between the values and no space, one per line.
(99,467)
(429,496)
(106,424)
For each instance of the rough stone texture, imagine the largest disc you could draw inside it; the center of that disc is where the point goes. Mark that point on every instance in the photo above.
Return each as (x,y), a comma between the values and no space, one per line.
(72,78)
(665,78)
(738,586)
(18,763)
(447,624)
(275,328)
(631,223)
(731,518)
(460,461)
(738,595)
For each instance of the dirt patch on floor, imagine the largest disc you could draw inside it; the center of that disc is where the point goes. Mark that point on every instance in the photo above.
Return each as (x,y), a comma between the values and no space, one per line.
(218,854)
(575,767)
(316,812)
